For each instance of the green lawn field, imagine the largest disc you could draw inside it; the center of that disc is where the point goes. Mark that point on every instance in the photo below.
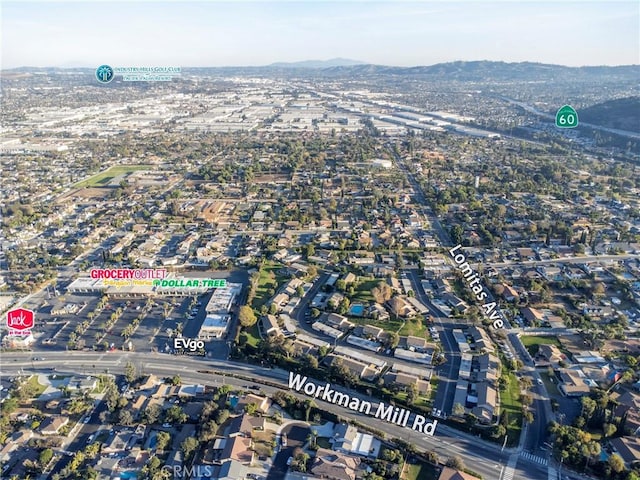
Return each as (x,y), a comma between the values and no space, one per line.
(103,178)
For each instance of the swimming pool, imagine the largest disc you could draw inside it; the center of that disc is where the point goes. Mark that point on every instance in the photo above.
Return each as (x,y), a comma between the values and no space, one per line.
(356,309)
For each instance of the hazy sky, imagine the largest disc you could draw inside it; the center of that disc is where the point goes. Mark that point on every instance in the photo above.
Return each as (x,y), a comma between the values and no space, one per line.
(214,33)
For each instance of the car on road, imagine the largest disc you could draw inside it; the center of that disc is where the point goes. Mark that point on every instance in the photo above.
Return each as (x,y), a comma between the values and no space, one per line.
(90,439)
(86,420)
(539,381)
(289,461)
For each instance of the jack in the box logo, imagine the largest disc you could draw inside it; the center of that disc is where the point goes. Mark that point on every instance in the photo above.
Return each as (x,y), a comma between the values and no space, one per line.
(20,321)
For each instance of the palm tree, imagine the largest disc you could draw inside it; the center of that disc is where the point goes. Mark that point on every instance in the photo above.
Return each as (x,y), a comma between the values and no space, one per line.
(308,405)
(312,438)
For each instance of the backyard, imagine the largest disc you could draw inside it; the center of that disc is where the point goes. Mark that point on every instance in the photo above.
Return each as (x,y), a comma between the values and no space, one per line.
(532,343)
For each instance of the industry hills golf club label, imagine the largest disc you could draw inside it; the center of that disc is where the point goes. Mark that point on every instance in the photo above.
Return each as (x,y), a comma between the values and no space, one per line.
(389,413)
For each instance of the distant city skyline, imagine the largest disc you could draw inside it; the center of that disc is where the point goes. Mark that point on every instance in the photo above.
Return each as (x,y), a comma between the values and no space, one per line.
(404,33)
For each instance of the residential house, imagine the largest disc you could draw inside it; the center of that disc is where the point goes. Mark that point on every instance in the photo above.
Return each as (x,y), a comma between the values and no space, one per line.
(270,327)
(487,368)
(449,473)
(263,403)
(118,442)
(572,382)
(510,294)
(628,448)
(404,381)
(245,424)
(334,466)
(481,339)
(549,355)
(228,470)
(532,316)
(238,449)
(369,331)
(347,439)
(487,405)
(52,425)
(338,321)
(419,344)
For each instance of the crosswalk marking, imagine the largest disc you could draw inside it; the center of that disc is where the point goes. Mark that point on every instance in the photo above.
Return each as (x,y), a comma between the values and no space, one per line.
(510,471)
(533,458)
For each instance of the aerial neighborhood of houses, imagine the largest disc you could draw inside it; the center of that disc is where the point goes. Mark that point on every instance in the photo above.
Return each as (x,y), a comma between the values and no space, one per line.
(246,229)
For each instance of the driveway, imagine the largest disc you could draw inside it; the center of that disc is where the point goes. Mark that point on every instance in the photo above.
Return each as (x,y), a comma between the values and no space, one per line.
(296,437)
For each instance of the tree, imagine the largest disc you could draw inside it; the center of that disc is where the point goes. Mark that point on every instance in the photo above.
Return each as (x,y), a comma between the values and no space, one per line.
(396,305)
(471,419)
(308,406)
(208,410)
(208,431)
(162,440)
(458,409)
(125,417)
(528,416)
(598,289)
(498,431)
(394,340)
(152,413)
(616,463)
(300,459)
(312,438)
(188,446)
(344,306)
(311,361)
(175,414)
(45,457)
(592,450)
(111,397)
(412,393)
(130,372)
(455,462)
(246,316)
(588,407)
(222,416)
(526,383)
(609,429)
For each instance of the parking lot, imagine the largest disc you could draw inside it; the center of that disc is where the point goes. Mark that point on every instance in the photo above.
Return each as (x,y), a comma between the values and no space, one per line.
(102,329)
(96,322)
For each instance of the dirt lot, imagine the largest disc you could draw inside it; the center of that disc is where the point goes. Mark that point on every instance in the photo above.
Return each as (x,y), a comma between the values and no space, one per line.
(84,194)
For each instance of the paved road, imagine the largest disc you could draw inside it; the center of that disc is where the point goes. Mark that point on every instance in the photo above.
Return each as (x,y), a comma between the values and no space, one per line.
(585,259)
(483,457)
(448,371)
(420,199)
(548,116)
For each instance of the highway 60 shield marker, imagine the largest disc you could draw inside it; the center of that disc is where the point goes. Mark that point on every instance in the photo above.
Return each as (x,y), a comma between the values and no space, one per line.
(566,117)
(20,322)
